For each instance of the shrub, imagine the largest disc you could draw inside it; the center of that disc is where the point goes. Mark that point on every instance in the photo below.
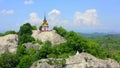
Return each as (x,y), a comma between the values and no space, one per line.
(25,29)
(25,34)
(8,60)
(25,38)
(10,32)
(34,28)
(25,62)
(1,34)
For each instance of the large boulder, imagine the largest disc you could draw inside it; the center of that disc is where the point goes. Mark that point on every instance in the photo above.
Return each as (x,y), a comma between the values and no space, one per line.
(85,60)
(8,43)
(31,45)
(47,63)
(51,36)
(41,64)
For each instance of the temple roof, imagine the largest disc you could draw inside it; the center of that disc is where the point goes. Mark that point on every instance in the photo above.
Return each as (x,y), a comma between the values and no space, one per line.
(44,21)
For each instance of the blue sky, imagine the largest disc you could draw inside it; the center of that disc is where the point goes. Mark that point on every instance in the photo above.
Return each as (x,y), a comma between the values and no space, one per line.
(85,16)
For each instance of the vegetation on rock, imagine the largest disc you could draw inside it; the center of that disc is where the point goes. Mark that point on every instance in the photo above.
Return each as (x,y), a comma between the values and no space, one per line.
(8,32)
(75,42)
(25,34)
(34,28)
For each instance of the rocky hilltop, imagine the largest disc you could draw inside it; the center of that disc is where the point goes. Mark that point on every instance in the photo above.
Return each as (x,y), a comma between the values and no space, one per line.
(51,36)
(82,60)
(86,60)
(8,43)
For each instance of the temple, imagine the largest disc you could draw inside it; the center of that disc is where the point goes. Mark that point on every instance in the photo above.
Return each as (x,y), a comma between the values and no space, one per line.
(44,24)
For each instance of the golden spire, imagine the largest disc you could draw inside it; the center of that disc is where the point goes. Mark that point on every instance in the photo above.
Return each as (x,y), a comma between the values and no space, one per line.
(45,18)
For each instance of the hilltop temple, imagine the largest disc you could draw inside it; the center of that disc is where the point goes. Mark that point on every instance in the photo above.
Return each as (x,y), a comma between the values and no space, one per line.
(44,24)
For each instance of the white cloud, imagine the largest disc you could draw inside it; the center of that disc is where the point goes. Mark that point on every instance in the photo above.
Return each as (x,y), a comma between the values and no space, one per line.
(28,2)
(54,14)
(81,21)
(34,19)
(54,11)
(7,12)
(87,20)
(89,17)
(54,17)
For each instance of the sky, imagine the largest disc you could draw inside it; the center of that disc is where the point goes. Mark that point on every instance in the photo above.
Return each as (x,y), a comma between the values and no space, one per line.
(86,16)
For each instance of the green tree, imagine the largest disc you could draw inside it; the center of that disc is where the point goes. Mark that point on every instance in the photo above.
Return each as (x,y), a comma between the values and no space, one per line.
(25,62)
(25,38)
(40,28)
(25,29)
(117,57)
(61,51)
(8,60)
(34,28)
(10,32)
(60,30)
(75,41)
(21,51)
(25,34)
(1,34)
(45,50)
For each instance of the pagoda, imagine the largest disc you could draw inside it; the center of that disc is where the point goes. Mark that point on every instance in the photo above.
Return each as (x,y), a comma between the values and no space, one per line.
(44,24)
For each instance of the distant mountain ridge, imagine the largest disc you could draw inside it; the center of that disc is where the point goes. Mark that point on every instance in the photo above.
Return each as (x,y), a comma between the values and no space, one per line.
(92,34)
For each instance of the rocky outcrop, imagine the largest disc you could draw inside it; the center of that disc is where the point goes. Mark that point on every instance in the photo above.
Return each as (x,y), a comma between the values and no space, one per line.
(82,60)
(85,60)
(51,36)
(8,43)
(46,63)
(43,65)
(30,45)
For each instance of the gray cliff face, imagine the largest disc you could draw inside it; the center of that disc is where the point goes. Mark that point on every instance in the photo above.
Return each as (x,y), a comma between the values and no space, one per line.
(51,36)
(85,60)
(34,46)
(8,43)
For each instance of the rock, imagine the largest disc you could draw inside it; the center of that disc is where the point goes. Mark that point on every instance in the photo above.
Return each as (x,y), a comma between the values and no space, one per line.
(85,60)
(8,43)
(51,36)
(47,63)
(30,45)
(42,65)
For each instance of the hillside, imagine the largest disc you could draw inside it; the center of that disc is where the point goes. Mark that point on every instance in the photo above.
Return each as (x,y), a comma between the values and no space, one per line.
(31,45)
(111,41)
(89,35)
